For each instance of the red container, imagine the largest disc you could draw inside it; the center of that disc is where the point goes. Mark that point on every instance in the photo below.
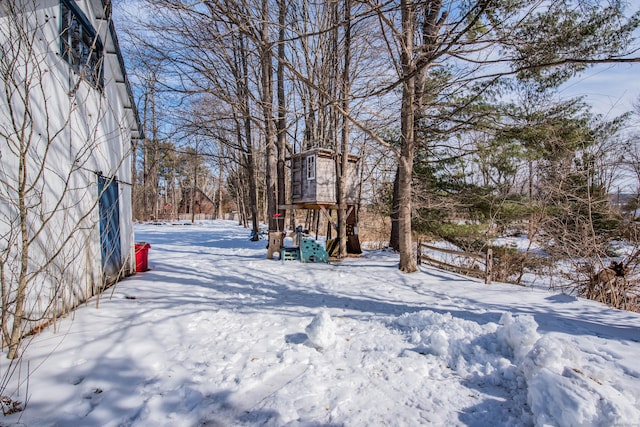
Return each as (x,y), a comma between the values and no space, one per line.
(142,256)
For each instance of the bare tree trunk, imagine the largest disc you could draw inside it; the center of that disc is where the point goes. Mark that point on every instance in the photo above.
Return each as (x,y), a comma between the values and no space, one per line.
(415,62)
(267,110)
(220,179)
(21,291)
(144,200)
(248,136)
(407,122)
(151,158)
(342,167)
(194,185)
(394,240)
(281,123)
(135,208)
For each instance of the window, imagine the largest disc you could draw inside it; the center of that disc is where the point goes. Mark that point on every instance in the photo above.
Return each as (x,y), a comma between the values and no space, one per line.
(311,167)
(80,45)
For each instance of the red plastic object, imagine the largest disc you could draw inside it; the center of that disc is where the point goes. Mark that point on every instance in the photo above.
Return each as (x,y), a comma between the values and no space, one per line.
(142,256)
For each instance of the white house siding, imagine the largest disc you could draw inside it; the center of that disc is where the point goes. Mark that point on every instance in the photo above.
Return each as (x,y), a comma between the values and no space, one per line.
(89,132)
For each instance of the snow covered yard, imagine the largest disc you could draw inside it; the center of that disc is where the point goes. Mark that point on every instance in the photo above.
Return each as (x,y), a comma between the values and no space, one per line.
(217,335)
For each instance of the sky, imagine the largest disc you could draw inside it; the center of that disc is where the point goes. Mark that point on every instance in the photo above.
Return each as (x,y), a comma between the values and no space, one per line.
(215,334)
(611,90)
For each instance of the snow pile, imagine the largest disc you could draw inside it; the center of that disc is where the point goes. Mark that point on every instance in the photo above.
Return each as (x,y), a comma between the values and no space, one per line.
(481,354)
(321,332)
(518,333)
(546,375)
(563,390)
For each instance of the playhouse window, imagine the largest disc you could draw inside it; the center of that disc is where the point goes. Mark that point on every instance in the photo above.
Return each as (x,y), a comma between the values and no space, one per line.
(80,45)
(311,167)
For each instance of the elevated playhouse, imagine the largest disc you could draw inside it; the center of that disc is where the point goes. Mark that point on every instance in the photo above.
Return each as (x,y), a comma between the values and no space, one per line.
(314,187)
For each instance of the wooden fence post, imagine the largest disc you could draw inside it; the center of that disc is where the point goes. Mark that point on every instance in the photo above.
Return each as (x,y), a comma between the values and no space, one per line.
(419,253)
(488,266)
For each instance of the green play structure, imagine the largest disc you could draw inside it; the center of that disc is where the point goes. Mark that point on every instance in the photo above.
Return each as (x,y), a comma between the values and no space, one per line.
(308,250)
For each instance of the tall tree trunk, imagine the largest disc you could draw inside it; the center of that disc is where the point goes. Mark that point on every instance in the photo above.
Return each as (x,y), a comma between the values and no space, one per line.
(151,182)
(194,186)
(135,208)
(415,62)
(144,214)
(405,243)
(281,124)
(342,169)
(407,152)
(220,179)
(267,110)
(250,165)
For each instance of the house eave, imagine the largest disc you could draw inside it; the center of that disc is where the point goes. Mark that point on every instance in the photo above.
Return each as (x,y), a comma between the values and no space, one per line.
(113,54)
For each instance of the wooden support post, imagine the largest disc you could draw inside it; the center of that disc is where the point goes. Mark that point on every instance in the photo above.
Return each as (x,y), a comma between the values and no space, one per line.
(353,240)
(350,210)
(488,266)
(419,252)
(326,213)
(276,238)
(309,220)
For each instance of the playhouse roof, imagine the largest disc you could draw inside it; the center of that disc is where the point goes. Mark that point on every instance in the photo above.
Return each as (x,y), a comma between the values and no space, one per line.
(322,152)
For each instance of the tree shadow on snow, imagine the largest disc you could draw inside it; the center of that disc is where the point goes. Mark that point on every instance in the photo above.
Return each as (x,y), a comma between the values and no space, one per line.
(224,412)
(253,283)
(260,291)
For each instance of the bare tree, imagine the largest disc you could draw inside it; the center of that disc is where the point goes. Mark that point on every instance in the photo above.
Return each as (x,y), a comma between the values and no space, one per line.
(342,160)
(281,122)
(266,90)
(212,56)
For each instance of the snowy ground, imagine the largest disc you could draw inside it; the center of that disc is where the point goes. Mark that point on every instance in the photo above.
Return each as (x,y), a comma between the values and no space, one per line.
(217,335)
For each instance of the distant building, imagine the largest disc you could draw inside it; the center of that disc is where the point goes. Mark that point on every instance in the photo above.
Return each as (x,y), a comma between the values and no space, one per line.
(202,204)
(624,201)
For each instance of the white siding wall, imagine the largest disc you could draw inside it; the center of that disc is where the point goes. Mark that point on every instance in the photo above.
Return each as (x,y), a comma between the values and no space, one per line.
(77,131)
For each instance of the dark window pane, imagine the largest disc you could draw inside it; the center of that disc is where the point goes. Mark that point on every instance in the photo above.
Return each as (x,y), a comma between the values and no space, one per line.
(80,46)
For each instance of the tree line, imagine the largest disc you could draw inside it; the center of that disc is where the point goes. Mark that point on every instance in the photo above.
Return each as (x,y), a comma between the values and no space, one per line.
(453,108)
